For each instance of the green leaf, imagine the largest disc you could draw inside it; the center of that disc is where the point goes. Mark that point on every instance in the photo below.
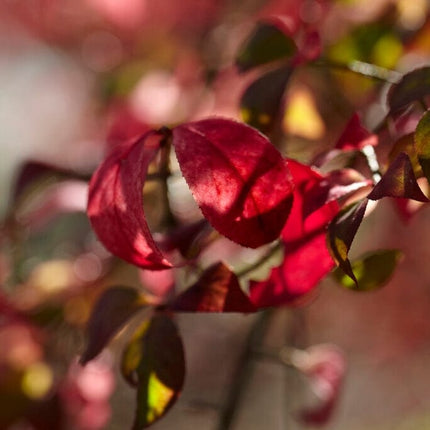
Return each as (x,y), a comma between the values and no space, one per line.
(266,44)
(422,143)
(398,181)
(372,271)
(112,310)
(412,87)
(154,362)
(341,233)
(261,103)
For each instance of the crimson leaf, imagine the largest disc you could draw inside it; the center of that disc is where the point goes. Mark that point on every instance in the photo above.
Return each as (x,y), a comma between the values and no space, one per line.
(154,362)
(115,206)
(238,178)
(355,136)
(341,233)
(261,103)
(306,257)
(412,87)
(372,271)
(267,43)
(217,290)
(398,181)
(112,310)
(422,143)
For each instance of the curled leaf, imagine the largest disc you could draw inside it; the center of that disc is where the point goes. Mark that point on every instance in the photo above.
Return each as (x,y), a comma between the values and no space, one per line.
(112,310)
(267,43)
(422,143)
(372,271)
(115,205)
(154,362)
(238,178)
(398,181)
(412,87)
(341,233)
(217,290)
(260,105)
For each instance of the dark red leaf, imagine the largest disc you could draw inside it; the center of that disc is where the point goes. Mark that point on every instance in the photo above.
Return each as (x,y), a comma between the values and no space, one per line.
(260,105)
(154,361)
(422,143)
(268,42)
(341,233)
(217,290)
(398,181)
(238,178)
(112,310)
(355,136)
(412,87)
(115,206)
(306,257)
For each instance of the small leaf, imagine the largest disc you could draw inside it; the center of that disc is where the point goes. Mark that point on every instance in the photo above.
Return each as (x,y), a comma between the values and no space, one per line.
(266,44)
(355,136)
(112,310)
(217,290)
(238,178)
(154,361)
(261,103)
(398,181)
(412,87)
(372,271)
(422,144)
(341,233)
(115,205)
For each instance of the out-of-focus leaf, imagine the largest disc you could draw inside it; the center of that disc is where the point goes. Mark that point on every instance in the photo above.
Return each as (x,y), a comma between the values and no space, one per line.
(115,203)
(372,271)
(398,181)
(238,178)
(355,136)
(261,103)
(154,362)
(422,143)
(412,87)
(112,310)
(341,233)
(306,257)
(267,43)
(217,290)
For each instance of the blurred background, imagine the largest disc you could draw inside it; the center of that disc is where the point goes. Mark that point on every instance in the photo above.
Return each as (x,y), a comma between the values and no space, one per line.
(78,77)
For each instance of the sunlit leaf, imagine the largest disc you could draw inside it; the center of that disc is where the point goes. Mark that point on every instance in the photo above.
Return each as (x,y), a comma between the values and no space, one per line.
(267,43)
(112,310)
(238,178)
(412,87)
(372,271)
(306,257)
(341,233)
(422,143)
(260,105)
(406,144)
(115,203)
(154,362)
(398,181)
(217,290)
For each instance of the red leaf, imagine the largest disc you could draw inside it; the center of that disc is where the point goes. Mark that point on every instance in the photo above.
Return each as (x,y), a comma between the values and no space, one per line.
(115,206)
(398,181)
(217,290)
(355,136)
(325,366)
(307,259)
(237,177)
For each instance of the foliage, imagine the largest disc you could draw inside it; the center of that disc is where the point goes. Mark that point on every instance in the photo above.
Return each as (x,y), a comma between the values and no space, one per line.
(267,167)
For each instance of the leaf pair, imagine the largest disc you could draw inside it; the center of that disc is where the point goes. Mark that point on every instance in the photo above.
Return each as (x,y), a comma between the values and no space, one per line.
(239,180)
